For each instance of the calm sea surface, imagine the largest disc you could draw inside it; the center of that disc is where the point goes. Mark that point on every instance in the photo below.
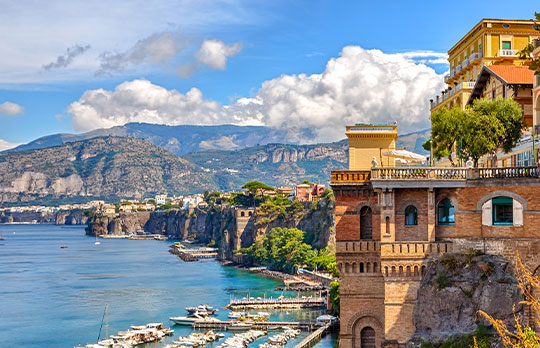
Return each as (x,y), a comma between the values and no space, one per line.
(53,297)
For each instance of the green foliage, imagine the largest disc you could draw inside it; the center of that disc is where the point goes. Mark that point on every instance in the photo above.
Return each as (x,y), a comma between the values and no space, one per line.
(328,194)
(281,249)
(478,130)
(442,281)
(151,201)
(471,254)
(126,203)
(526,52)
(213,197)
(322,260)
(333,270)
(307,182)
(334,297)
(482,335)
(449,262)
(253,186)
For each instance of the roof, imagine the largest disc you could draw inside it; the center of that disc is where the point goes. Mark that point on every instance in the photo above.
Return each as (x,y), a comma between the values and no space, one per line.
(513,74)
(507,74)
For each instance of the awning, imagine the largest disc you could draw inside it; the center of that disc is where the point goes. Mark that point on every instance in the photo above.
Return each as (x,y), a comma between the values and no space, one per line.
(406,155)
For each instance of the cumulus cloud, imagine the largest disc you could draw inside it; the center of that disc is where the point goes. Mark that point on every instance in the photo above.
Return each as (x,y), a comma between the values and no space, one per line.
(66,59)
(426,57)
(214,53)
(141,101)
(158,48)
(6,145)
(9,108)
(367,86)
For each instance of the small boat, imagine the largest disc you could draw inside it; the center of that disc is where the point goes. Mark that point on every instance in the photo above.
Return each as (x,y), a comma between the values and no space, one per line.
(63,247)
(201,310)
(97,242)
(188,321)
(236,315)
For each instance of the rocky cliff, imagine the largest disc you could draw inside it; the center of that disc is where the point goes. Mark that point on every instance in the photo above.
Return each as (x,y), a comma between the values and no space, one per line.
(72,217)
(223,224)
(455,287)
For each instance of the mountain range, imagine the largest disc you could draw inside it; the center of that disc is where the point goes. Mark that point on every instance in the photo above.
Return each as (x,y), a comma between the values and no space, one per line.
(149,159)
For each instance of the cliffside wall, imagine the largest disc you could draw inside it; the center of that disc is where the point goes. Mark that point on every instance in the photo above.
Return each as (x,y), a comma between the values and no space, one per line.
(231,228)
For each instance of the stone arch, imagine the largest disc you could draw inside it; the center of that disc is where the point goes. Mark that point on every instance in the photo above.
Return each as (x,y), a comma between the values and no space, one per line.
(375,267)
(450,197)
(242,213)
(408,271)
(367,204)
(368,267)
(361,320)
(250,213)
(412,202)
(386,271)
(354,267)
(498,193)
(415,270)
(347,267)
(361,267)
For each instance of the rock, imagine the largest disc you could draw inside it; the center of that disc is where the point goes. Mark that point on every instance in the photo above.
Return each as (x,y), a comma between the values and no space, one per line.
(481,284)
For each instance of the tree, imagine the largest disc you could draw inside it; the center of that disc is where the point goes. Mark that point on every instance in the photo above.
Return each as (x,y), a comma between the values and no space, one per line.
(446,130)
(480,129)
(253,187)
(334,296)
(526,52)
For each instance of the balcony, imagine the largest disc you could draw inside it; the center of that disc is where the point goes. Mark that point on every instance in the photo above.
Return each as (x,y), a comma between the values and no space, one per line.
(507,53)
(350,176)
(458,68)
(419,173)
(475,56)
(447,77)
(469,85)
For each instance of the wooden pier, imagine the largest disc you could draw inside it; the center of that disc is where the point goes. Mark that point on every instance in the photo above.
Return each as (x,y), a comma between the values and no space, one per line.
(313,337)
(278,303)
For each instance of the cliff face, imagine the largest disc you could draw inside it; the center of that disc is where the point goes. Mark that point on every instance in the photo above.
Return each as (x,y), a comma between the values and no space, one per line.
(224,225)
(455,287)
(71,217)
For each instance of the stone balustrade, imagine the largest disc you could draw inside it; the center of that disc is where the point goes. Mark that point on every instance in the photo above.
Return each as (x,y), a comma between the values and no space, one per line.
(350,176)
(409,250)
(367,246)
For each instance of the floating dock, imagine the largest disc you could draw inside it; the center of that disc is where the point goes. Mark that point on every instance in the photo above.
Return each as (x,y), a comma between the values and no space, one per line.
(278,303)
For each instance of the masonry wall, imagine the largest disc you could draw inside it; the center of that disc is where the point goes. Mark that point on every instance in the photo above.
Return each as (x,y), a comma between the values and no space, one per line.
(419,199)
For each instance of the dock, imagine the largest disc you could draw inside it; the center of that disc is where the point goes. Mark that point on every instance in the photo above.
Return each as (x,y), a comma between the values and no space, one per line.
(313,337)
(278,303)
(260,325)
(192,255)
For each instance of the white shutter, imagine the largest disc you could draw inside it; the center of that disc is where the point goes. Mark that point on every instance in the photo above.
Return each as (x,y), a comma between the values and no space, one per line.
(487,215)
(517,212)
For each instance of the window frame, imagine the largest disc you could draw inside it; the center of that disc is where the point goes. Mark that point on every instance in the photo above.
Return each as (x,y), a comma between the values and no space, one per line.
(411,209)
(509,44)
(448,205)
(506,203)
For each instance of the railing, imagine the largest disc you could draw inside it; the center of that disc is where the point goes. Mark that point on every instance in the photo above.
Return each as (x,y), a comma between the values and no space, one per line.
(350,176)
(419,249)
(447,77)
(458,68)
(507,53)
(419,173)
(507,172)
(469,85)
(458,87)
(465,63)
(365,246)
(474,56)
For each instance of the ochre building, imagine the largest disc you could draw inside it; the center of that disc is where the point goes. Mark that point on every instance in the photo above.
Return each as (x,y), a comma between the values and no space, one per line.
(390,220)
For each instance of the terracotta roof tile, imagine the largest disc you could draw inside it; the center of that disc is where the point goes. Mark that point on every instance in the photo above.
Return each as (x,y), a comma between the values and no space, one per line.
(513,74)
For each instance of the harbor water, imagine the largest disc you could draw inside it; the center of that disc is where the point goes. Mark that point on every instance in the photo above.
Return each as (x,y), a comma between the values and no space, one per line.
(55,297)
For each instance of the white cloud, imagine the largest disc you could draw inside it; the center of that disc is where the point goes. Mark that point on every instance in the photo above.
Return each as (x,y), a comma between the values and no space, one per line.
(6,145)
(359,86)
(141,101)
(426,57)
(10,108)
(214,53)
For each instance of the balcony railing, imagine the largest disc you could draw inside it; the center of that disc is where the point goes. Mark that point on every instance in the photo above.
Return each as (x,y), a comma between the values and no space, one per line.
(350,176)
(469,85)
(506,172)
(507,53)
(419,173)
(458,68)
(433,173)
(474,56)
(465,63)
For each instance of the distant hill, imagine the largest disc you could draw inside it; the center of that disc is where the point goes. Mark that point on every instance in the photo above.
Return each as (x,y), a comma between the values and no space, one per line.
(274,164)
(102,167)
(413,141)
(178,140)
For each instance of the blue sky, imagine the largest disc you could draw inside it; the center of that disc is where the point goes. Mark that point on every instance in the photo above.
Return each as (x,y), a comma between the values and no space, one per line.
(293,64)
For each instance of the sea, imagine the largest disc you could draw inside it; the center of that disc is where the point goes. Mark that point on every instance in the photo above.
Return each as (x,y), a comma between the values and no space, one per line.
(56,297)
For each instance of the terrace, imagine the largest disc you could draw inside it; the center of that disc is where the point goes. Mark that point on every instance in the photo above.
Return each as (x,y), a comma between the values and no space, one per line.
(449,174)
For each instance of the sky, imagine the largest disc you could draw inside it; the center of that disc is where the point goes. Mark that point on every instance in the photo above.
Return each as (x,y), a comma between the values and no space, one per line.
(309,67)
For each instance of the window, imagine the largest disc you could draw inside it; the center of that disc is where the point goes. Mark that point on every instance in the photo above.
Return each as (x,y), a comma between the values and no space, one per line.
(502,211)
(411,216)
(524,159)
(506,45)
(445,212)
(493,94)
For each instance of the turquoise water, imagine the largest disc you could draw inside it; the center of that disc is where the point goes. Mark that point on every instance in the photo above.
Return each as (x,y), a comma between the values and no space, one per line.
(54,297)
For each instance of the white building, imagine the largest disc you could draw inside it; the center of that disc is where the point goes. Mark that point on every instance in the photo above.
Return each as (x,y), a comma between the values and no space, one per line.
(161,199)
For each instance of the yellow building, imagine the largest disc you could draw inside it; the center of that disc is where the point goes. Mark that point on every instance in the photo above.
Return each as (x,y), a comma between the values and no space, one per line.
(490,42)
(368,142)
(536,88)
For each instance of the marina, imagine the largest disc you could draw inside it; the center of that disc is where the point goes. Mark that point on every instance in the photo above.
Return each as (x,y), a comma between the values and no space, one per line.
(142,283)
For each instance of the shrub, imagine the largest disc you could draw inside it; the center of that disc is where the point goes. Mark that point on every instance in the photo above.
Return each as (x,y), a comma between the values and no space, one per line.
(442,281)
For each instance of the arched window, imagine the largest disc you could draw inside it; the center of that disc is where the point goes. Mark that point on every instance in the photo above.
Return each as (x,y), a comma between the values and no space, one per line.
(250,213)
(411,216)
(445,212)
(367,338)
(242,213)
(502,208)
